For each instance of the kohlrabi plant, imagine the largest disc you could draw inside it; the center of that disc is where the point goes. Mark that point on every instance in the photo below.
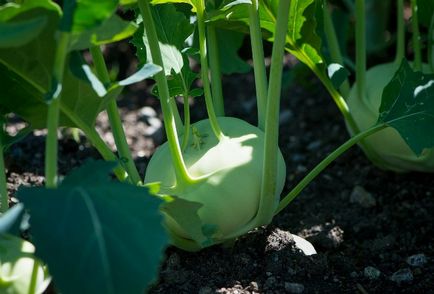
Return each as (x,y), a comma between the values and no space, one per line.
(387,149)
(211,182)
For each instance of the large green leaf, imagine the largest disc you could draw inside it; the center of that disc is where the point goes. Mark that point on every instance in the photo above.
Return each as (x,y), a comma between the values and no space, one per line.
(81,15)
(17,265)
(93,229)
(229,42)
(25,74)
(111,30)
(408,106)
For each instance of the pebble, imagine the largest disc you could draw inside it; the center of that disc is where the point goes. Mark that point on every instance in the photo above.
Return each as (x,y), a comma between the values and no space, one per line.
(371,273)
(360,196)
(294,287)
(205,290)
(404,275)
(417,260)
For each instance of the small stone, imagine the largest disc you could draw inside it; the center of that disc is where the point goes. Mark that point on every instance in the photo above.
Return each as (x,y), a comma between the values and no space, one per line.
(417,260)
(285,116)
(253,286)
(371,273)
(279,240)
(404,275)
(354,275)
(360,196)
(270,283)
(312,146)
(291,271)
(294,287)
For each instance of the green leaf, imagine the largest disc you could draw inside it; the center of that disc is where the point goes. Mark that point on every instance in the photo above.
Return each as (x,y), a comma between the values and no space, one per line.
(407,106)
(111,30)
(425,12)
(17,265)
(94,229)
(229,42)
(81,15)
(193,3)
(173,28)
(147,71)
(10,221)
(337,74)
(180,84)
(25,74)
(18,33)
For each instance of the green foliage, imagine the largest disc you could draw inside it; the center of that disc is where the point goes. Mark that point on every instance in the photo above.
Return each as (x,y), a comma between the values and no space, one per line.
(425,12)
(82,15)
(229,42)
(18,33)
(337,74)
(113,232)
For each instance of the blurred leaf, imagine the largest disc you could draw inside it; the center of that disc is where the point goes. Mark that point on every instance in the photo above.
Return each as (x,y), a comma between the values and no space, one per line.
(17,266)
(15,34)
(407,106)
(337,74)
(111,30)
(173,28)
(93,229)
(81,15)
(193,3)
(25,75)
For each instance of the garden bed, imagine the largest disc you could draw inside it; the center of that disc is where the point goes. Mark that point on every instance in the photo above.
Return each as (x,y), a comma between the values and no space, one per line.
(373,229)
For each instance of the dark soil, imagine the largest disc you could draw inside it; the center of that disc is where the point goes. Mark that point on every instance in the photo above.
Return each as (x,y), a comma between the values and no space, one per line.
(373,229)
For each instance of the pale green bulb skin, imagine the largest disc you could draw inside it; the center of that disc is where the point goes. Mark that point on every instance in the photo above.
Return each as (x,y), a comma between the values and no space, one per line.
(389,150)
(233,170)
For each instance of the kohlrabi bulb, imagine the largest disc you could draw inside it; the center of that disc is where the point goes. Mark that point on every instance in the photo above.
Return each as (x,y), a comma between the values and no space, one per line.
(387,148)
(232,171)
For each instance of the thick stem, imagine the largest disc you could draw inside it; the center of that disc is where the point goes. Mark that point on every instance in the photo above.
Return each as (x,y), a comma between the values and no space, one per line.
(181,171)
(324,163)
(204,70)
(126,158)
(400,41)
(214,63)
(258,62)
(333,46)
(178,121)
(34,277)
(360,49)
(271,148)
(4,199)
(416,36)
(51,147)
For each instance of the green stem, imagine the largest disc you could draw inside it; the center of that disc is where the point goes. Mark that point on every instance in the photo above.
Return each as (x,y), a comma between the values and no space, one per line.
(271,148)
(333,46)
(258,62)
(324,163)
(204,70)
(51,146)
(186,134)
(181,171)
(400,42)
(416,37)
(4,199)
(360,49)
(114,118)
(34,277)
(214,63)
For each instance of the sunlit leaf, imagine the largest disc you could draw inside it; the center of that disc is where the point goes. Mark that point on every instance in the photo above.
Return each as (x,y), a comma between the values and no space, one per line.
(408,106)
(14,34)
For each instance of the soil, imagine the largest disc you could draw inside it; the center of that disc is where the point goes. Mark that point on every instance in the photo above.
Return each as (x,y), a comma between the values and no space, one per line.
(373,229)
